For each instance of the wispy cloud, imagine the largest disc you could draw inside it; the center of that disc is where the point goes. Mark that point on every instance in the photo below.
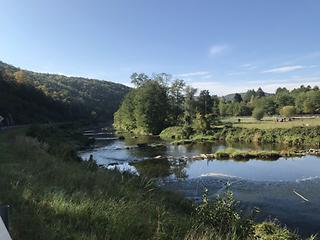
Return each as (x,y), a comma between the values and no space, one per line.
(192,74)
(215,50)
(269,85)
(285,69)
(248,66)
(236,73)
(300,80)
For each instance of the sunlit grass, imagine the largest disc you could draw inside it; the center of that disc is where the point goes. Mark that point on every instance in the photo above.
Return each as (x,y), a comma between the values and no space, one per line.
(270,122)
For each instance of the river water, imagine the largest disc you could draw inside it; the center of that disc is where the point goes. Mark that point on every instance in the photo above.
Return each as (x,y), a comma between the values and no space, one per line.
(287,189)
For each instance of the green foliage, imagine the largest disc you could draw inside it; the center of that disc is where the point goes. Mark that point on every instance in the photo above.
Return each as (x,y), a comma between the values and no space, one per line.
(55,138)
(174,132)
(221,216)
(36,97)
(144,110)
(200,123)
(204,103)
(273,231)
(124,118)
(258,113)
(176,99)
(151,107)
(288,111)
(291,136)
(198,114)
(237,98)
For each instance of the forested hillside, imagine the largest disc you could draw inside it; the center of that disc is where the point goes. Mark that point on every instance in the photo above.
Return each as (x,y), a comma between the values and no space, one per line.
(28,97)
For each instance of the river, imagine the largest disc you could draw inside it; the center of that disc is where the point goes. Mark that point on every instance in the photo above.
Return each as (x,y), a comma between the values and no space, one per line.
(287,189)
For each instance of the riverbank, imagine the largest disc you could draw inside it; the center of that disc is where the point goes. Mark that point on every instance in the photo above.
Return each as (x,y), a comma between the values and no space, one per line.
(296,136)
(231,153)
(55,196)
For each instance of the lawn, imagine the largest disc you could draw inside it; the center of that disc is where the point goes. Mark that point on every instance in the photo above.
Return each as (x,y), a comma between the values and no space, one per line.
(270,122)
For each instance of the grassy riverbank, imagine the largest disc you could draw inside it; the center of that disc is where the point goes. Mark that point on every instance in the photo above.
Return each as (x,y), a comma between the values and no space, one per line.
(57,197)
(296,136)
(270,122)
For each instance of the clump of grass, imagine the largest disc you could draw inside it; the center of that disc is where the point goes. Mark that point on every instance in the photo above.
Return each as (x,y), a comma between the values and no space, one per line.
(231,153)
(171,133)
(273,230)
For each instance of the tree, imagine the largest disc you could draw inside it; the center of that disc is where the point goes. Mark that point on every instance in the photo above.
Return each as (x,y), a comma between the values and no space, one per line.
(237,98)
(312,102)
(205,102)
(268,104)
(176,99)
(162,78)
(223,107)
(288,111)
(151,107)
(189,110)
(282,91)
(258,113)
(284,99)
(124,119)
(215,105)
(20,76)
(249,94)
(200,124)
(260,93)
(245,110)
(139,79)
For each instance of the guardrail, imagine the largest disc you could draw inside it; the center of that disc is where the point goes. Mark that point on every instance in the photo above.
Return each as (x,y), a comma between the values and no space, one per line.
(4,214)
(4,223)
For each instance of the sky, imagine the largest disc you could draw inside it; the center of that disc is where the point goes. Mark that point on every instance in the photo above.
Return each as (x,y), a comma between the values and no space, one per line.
(224,46)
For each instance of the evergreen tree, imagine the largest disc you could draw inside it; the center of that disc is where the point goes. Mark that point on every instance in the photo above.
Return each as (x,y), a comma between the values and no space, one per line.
(205,103)
(260,93)
(237,98)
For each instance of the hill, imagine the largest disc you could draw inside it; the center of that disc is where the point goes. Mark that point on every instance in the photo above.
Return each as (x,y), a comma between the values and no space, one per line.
(28,97)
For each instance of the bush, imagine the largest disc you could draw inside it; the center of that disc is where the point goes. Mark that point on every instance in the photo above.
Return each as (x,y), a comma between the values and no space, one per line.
(273,230)
(175,132)
(288,111)
(258,113)
(221,217)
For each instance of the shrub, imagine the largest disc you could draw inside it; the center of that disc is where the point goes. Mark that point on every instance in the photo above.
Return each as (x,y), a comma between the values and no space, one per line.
(175,132)
(288,111)
(221,216)
(258,113)
(273,230)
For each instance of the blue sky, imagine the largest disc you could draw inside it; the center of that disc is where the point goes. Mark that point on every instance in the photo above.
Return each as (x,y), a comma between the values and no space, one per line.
(224,46)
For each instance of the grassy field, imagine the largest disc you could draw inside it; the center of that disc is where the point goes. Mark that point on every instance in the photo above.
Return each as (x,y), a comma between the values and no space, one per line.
(53,197)
(270,122)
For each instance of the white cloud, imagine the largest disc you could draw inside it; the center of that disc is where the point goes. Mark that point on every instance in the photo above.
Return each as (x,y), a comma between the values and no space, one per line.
(237,73)
(217,49)
(192,74)
(248,66)
(268,85)
(284,69)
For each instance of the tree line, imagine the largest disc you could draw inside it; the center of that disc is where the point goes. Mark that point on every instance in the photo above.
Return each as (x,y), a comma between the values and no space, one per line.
(158,101)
